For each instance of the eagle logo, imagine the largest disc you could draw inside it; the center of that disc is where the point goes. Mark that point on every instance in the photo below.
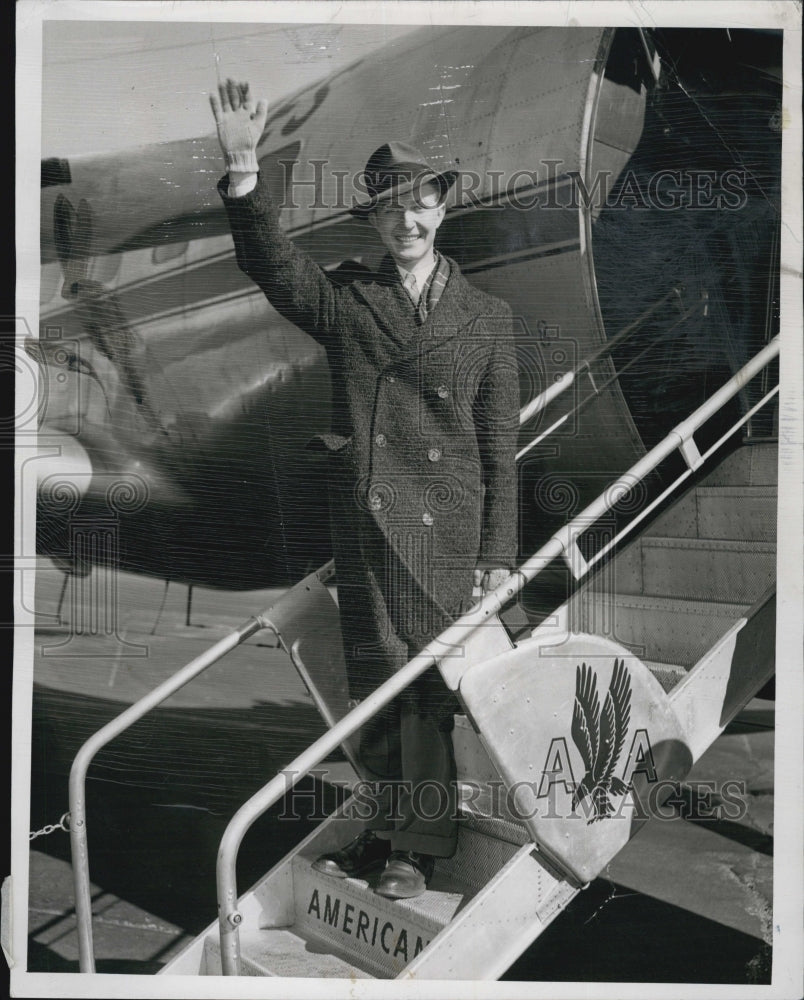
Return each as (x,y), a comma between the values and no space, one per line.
(600,738)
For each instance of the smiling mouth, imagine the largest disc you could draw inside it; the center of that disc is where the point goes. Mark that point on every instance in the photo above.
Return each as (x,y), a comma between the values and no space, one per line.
(407,237)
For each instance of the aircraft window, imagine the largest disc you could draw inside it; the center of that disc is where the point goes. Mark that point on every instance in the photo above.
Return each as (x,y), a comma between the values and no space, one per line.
(168,251)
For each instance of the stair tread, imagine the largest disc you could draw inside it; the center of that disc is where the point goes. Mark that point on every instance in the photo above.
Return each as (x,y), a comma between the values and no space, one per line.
(433,909)
(708,544)
(650,602)
(503,827)
(659,628)
(280,951)
(667,674)
(662,665)
(712,570)
(735,489)
(753,464)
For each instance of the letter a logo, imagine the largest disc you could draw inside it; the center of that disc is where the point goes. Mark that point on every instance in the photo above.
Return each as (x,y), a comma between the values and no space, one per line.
(557,768)
(640,758)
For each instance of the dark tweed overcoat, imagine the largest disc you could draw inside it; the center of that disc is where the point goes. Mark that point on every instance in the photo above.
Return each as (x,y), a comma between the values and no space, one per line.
(421,445)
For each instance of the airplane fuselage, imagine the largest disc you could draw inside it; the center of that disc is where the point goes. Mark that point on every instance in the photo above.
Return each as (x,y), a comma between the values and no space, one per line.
(179,380)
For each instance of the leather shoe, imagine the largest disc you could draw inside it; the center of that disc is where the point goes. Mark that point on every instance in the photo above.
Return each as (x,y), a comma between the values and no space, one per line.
(406,875)
(366,853)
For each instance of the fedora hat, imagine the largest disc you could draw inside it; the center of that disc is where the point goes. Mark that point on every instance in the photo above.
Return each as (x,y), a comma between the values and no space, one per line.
(395,168)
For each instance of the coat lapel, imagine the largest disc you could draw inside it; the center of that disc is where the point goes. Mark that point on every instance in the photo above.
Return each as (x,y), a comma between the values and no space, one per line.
(395,315)
(454,312)
(392,309)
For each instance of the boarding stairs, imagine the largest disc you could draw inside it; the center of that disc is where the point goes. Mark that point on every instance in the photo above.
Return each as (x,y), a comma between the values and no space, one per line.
(694,599)
(666,637)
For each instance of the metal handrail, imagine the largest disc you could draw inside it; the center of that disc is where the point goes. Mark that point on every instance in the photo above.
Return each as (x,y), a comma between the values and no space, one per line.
(679,439)
(563,543)
(79,847)
(597,389)
(78,773)
(567,379)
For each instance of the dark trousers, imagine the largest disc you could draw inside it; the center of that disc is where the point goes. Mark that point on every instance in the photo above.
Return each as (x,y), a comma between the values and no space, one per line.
(409,795)
(407,748)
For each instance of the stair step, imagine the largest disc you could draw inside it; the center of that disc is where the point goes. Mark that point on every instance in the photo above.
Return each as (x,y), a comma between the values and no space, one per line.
(478,858)
(667,674)
(280,952)
(727,570)
(737,512)
(751,465)
(491,815)
(721,512)
(663,629)
(383,935)
(678,521)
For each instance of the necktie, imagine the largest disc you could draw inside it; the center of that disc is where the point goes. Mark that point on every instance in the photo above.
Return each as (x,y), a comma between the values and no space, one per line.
(426,300)
(419,298)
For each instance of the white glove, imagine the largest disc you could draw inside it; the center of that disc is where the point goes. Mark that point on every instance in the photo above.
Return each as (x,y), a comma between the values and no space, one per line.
(490,579)
(239,125)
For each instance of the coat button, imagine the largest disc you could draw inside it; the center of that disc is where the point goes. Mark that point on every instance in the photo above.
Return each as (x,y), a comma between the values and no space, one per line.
(375,503)
(434,454)
(390,378)
(380,440)
(427,519)
(442,391)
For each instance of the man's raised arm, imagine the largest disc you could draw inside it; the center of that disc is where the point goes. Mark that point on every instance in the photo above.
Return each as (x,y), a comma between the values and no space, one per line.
(293,283)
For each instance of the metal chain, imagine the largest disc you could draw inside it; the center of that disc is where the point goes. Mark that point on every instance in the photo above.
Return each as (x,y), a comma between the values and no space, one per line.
(63,824)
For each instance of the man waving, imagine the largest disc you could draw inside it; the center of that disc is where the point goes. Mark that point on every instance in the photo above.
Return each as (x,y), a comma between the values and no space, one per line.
(422,482)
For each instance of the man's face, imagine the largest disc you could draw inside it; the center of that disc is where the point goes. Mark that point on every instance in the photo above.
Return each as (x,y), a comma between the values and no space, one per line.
(407,223)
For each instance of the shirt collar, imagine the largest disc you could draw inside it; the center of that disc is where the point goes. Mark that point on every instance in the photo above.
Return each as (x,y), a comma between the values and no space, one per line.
(421,272)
